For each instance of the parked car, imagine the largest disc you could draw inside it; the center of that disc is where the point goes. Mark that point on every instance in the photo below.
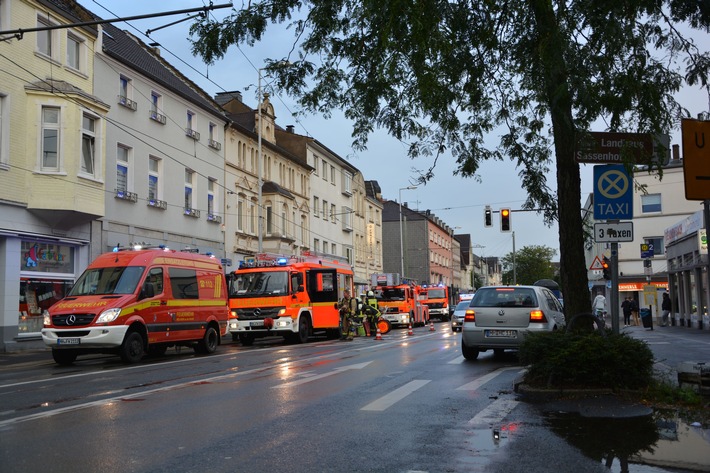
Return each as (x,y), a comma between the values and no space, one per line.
(499,318)
(458,315)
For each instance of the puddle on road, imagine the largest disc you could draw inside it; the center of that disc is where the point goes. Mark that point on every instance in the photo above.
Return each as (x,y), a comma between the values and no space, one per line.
(660,442)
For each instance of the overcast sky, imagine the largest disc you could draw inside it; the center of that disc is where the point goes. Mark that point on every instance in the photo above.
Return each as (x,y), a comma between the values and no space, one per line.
(458,201)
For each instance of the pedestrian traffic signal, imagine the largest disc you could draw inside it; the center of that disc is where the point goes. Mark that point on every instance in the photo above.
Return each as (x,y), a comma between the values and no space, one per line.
(606,268)
(488,217)
(504,220)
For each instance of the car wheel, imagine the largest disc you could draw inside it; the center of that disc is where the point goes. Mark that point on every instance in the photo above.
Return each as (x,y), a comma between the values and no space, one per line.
(209,342)
(64,357)
(470,353)
(132,348)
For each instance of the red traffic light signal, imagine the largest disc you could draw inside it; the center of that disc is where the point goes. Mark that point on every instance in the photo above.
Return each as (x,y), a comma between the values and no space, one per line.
(504,220)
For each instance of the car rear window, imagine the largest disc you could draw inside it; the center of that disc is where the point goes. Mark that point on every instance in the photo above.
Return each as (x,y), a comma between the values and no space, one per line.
(505,297)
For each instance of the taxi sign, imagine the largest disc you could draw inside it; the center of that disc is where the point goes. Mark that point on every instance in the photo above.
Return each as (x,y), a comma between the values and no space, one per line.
(613,193)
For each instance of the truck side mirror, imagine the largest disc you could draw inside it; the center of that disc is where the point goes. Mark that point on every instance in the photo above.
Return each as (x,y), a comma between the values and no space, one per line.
(148,291)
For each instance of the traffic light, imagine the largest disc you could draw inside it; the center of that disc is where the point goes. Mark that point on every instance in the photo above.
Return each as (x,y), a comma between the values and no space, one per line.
(504,220)
(488,217)
(606,268)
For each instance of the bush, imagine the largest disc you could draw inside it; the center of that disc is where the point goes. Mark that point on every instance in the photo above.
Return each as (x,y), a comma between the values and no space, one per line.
(586,360)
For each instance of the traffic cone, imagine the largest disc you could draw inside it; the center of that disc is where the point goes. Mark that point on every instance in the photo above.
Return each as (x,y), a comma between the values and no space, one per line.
(378,336)
(410,331)
(431,326)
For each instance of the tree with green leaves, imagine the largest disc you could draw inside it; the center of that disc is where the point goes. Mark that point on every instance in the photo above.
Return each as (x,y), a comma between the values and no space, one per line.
(443,75)
(532,263)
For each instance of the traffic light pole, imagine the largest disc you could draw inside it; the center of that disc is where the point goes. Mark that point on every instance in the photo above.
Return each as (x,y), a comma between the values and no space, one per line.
(614,304)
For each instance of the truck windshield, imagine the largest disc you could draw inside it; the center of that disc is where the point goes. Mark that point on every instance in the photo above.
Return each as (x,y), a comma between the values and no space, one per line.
(436,294)
(113,280)
(259,283)
(390,294)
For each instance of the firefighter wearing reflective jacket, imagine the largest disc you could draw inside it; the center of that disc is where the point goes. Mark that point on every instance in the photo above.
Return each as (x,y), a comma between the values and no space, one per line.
(371,311)
(347,309)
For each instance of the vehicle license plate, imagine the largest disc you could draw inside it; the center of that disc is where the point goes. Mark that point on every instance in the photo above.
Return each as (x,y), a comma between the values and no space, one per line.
(501,333)
(68,341)
(258,323)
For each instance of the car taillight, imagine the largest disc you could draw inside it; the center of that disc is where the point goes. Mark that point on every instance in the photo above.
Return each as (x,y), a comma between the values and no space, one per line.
(537,316)
(470,316)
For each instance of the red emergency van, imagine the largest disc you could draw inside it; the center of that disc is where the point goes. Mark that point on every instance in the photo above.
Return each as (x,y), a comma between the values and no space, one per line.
(137,301)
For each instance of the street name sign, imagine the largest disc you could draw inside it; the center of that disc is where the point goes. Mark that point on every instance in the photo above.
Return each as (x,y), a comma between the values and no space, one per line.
(613,193)
(613,232)
(696,158)
(598,147)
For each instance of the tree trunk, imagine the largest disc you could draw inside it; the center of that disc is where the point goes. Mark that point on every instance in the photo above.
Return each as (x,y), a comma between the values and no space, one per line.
(573,271)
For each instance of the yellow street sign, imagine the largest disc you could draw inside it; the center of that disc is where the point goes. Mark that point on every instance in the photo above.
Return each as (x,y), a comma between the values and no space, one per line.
(696,158)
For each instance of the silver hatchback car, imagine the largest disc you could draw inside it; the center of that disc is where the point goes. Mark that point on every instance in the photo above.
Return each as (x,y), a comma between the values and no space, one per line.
(458,315)
(499,318)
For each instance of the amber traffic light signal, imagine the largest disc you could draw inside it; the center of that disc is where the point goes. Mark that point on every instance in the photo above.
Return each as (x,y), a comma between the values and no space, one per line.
(606,268)
(504,220)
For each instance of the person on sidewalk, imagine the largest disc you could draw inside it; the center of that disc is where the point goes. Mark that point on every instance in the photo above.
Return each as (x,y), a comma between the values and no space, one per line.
(666,309)
(626,309)
(635,311)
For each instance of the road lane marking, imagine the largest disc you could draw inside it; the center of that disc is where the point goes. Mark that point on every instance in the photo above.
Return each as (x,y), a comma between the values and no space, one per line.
(397,395)
(308,379)
(457,361)
(478,382)
(494,412)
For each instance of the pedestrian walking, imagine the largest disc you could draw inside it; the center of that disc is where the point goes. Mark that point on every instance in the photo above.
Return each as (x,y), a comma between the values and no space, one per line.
(347,309)
(635,311)
(626,309)
(666,309)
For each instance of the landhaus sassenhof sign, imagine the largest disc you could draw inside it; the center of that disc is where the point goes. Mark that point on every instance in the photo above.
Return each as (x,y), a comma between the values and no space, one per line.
(617,148)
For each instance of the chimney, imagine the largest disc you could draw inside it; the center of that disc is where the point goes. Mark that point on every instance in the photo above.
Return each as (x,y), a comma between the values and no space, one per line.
(289,128)
(226,97)
(676,152)
(155,48)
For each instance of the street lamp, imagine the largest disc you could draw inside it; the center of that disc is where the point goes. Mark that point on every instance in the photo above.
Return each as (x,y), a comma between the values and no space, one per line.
(401,233)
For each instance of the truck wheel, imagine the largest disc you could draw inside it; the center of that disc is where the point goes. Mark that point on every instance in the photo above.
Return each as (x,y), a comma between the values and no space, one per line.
(470,353)
(304,330)
(247,339)
(64,357)
(132,348)
(209,342)
(157,350)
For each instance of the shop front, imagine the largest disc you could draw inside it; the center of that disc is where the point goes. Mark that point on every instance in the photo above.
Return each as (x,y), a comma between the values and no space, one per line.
(38,273)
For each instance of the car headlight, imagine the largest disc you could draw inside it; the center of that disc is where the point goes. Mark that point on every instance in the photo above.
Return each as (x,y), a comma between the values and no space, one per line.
(47,319)
(108,315)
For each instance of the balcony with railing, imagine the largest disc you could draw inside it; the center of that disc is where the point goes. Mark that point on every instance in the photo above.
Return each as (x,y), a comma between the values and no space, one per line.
(158,117)
(189,212)
(195,135)
(128,103)
(125,195)
(158,204)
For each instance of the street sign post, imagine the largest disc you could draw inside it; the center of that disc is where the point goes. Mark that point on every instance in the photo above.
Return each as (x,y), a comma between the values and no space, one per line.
(613,232)
(613,193)
(696,158)
(646,250)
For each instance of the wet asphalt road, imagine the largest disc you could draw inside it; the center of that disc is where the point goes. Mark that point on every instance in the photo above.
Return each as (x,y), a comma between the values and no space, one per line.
(407,403)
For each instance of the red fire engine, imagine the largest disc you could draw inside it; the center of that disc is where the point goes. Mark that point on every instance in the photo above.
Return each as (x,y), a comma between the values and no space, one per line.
(437,299)
(289,296)
(397,300)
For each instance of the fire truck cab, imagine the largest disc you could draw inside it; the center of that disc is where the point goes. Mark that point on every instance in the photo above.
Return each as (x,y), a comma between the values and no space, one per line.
(436,298)
(289,296)
(397,300)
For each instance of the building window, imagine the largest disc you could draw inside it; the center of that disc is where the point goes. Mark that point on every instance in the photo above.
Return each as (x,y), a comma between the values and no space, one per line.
(153,179)
(316,206)
(284,220)
(657,242)
(210,197)
(325,209)
(315,165)
(651,203)
(213,142)
(4,124)
(50,139)
(332,213)
(332,175)
(252,218)
(191,126)
(347,183)
(189,174)
(88,145)
(304,230)
(325,170)
(269,220)
(123,163)
(240,214)
(47,40)
(349,255)
(316,244)
(75,52)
